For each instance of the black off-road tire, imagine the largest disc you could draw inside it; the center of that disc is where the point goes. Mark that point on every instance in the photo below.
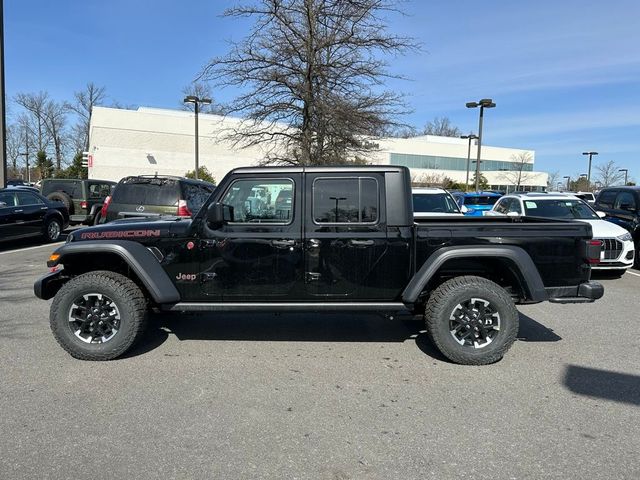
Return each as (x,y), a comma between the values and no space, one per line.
(62,197)
(52,229)
(97,217)
(127,296)
(443,302)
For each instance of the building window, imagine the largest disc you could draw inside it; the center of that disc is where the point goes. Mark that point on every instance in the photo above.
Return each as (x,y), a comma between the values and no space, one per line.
(433,162)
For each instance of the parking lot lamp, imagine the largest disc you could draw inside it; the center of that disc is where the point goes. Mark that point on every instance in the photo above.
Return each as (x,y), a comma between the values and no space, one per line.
(626,173)
(471,137)
(196,103)
(568,180)
(484,103)
(591,154)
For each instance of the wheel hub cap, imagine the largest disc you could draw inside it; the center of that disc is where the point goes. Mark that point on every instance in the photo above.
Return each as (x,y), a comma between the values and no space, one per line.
(94,318)
(474,323)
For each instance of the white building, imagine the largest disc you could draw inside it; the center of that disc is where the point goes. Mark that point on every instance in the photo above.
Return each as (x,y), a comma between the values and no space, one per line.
(150,140)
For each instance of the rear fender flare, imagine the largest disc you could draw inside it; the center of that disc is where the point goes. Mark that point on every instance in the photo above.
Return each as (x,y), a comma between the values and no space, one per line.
(516,256)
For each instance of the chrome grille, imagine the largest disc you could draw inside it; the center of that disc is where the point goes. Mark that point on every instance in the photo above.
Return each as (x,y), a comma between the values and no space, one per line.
(611,248)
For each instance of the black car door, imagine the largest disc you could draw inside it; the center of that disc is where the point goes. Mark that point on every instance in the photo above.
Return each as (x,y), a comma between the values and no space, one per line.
(258,255)
(8,226)
(625,210)
(345,237)
(30,211)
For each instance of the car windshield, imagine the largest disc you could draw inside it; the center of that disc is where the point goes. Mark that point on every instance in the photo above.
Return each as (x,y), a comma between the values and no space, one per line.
(434,202)
(481,200)
(562,208)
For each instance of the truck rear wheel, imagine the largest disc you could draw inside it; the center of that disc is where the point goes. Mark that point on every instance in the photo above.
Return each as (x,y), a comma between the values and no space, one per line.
(98,315)
(472,320)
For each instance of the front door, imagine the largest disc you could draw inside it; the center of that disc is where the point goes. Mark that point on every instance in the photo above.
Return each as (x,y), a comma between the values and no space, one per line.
(258,255)
(345,236)
(30,211)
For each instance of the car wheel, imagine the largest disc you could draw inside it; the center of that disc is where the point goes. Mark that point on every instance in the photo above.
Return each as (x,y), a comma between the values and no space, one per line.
(97,217)
(52,230)
(62,197)
(472,320)
(98,315)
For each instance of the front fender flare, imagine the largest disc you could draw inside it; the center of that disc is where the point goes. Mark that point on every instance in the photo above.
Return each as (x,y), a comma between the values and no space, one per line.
(143,263)
(516,256)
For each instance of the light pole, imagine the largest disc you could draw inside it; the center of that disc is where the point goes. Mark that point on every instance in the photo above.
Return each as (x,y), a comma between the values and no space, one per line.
(591,154)
(197,102)
(337,199)
(626,173)
(568,180)
(471,137)
(484,103)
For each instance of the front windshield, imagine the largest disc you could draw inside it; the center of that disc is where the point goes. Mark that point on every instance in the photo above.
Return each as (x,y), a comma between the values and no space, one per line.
(564,208)
(434,202)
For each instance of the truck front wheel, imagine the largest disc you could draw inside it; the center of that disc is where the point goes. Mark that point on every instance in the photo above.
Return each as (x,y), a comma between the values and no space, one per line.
(98,315)
(472,320)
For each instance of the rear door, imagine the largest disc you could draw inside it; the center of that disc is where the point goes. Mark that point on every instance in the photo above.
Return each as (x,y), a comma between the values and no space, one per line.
(30,212)
(345,236)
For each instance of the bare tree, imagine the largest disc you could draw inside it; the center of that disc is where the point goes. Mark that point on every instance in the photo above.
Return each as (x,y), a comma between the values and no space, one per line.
(608,174)
(56,123)
(519,172)
(312,76)
(201,90)
(35,105)
(553,179)
(441,126)
(84,101)
(14,145)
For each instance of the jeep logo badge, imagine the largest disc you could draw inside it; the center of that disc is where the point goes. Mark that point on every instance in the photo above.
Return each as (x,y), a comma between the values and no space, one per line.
(140,208)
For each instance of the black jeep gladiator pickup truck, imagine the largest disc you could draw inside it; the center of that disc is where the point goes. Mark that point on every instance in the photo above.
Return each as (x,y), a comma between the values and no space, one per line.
(317,239)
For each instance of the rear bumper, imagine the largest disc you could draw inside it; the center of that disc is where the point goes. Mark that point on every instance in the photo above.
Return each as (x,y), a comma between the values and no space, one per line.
(584,293)
(81,219)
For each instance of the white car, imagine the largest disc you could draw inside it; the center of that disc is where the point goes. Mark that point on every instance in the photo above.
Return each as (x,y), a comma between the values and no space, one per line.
(429,202)
(617,244)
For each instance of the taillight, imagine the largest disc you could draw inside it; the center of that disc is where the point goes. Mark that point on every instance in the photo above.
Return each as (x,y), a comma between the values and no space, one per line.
(594,247)
(105,206)
(183,210)
(83,204)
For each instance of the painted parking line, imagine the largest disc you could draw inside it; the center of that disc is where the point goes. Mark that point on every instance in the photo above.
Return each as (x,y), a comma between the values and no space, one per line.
(633,273)
(18,250)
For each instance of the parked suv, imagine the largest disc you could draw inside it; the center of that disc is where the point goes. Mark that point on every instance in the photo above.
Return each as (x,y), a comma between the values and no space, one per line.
(622,206)
(617,250)
(83,198)
(433,202)
(28,214)
(476,202)
(153,196)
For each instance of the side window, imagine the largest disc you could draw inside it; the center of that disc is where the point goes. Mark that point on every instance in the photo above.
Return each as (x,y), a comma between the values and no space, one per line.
(195,196)
(99,190)
(515,206)
(7,199)
(345,200)
(261,201)
(502,206)
(25,198)
(625,201)
(606,198)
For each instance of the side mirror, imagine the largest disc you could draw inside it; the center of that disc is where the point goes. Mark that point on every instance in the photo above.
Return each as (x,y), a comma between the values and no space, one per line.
(464,209)
(218,214)
(601,214)
(513,214)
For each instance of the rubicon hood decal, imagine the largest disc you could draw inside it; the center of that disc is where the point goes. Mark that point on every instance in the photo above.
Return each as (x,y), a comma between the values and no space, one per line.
(119,234)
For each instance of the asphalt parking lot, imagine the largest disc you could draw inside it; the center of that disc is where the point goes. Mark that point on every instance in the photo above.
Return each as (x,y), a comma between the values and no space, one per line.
(328,397)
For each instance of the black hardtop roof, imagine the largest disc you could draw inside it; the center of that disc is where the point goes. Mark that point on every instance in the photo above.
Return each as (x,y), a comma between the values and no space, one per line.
(622,187)
(77,180)
(322,169)
(168,177)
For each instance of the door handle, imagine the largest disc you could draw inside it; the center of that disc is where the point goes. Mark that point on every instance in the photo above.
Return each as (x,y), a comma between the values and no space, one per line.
(362,243)
(18,211)
(283,243)
(44,208)
(314,243)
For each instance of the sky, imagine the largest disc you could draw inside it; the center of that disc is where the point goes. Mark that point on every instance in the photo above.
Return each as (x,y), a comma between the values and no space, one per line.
(565,75)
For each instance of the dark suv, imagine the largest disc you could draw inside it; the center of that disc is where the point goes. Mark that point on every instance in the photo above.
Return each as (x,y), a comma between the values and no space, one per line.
(152,196)
(83,198)
(28,214)
(622,206)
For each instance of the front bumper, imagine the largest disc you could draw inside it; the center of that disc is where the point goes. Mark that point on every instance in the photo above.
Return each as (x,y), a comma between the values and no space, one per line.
(47,286)
(584,293)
